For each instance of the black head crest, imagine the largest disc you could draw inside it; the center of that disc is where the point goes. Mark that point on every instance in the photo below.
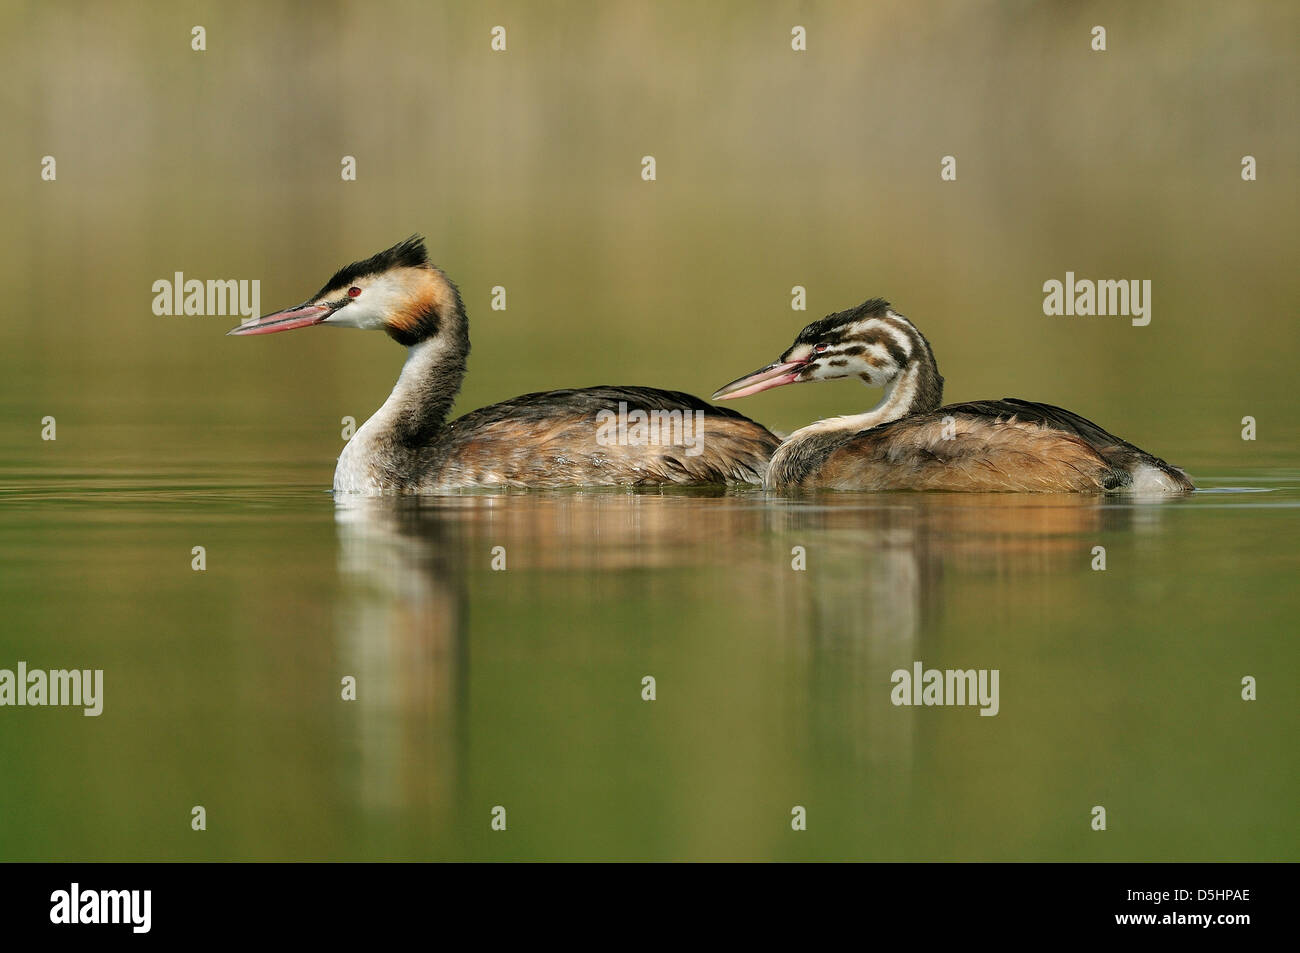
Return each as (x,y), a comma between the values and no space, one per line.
(823,326)
(410,253)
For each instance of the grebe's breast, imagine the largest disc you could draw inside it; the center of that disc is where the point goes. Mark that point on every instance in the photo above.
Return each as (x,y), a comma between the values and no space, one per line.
(595,436)
(1007,445)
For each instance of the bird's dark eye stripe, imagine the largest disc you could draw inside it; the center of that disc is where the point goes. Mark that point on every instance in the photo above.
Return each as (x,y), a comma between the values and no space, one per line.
(860,345)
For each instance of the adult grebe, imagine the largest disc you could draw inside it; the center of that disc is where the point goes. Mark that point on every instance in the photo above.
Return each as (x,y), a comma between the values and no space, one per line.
(909,442)
(592,436)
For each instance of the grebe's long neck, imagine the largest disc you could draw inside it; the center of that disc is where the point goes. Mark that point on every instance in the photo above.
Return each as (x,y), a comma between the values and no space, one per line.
(425,390)
(381,452)
(916,389)
(906,395)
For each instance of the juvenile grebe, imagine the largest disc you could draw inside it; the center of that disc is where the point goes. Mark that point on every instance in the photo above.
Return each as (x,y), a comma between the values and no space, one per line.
(549,439)
(909,442)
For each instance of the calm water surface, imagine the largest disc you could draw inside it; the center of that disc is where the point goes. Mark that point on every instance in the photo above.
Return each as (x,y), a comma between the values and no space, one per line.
(522,688)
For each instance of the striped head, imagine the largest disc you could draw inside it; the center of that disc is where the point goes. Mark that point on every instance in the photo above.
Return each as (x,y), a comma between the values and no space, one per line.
(870,342)
(397,290)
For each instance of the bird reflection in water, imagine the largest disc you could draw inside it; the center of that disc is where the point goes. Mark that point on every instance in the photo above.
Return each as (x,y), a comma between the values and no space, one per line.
(885,573)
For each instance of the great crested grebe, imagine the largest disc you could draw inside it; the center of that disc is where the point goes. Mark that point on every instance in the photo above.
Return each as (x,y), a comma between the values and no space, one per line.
(550,439)
(909,442)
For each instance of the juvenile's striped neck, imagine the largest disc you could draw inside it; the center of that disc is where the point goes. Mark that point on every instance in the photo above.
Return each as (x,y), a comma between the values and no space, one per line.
(899,359)
(904,395)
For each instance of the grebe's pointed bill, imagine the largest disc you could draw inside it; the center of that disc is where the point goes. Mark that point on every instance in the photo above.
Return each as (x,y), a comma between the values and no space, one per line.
(299,316)
(775,374)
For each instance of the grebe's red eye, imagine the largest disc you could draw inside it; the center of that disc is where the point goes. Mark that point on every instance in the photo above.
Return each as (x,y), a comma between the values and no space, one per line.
(821,347)
(353,292)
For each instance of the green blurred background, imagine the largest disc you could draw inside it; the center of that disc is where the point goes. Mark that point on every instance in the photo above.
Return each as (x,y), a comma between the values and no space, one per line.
(522,169)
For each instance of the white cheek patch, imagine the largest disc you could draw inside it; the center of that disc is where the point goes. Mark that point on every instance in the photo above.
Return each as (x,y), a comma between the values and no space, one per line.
(380,297)
(823,372)
(350,316)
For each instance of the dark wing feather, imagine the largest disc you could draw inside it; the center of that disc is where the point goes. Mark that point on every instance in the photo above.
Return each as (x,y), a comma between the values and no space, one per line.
(551,439)
(1045,414)
(588,401)
(1122,456)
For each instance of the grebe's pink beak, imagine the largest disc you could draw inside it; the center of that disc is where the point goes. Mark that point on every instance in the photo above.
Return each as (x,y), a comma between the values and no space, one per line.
(302,316)
(765,378)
